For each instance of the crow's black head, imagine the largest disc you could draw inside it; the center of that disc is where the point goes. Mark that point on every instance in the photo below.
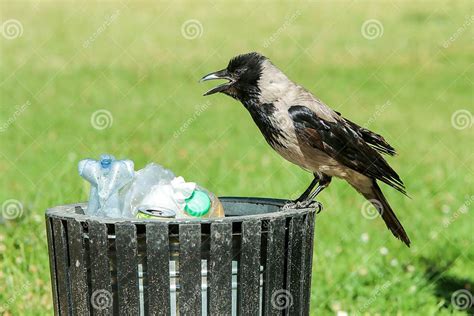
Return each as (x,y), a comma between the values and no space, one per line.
(242,73)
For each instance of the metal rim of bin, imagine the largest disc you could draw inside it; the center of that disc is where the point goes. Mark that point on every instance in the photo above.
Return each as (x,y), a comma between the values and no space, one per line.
(95,261)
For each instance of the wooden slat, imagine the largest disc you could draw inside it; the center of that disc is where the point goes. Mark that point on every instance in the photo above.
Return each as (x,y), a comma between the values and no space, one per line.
(52,264)
(101,297)
(249,268)
(189,298)
(294,267)
(308,259)
(275,265)
(157,294)
(127,269)
(78,269)
(220,270)
(60,248)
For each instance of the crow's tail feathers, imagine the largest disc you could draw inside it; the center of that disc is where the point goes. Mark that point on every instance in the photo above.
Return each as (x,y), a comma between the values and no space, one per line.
(377,198)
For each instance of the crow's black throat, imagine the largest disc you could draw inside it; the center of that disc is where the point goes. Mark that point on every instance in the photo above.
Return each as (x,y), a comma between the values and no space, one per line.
(264,116)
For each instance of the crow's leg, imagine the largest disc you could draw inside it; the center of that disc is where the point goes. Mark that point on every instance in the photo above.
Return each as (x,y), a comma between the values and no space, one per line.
(303,200)
(324,182)
(306,193)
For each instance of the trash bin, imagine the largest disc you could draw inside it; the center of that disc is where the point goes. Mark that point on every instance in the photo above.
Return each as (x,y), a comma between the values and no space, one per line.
(255,261)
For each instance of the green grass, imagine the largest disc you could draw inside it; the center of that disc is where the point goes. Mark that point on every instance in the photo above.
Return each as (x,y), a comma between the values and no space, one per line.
(142,70)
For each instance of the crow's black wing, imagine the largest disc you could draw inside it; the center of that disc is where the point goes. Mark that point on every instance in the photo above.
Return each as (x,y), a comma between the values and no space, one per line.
(373,139)
(343,143)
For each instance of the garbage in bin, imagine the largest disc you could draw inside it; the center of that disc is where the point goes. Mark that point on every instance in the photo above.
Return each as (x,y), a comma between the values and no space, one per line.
(152,192)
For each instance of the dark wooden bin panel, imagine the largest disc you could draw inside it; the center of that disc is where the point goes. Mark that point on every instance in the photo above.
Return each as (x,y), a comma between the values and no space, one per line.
(127,269)
(249,268)
(297,233)
(308,258)
(52,264)
(274,266)
(62,275)
(101,290)
(157,294)
(189,296)
(220,270)
(78,268)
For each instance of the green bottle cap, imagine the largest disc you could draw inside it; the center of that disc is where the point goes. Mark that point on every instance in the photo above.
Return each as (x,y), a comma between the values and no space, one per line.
(198,204)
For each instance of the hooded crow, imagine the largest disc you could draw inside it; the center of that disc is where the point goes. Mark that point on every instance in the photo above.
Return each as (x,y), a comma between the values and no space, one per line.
(308,133)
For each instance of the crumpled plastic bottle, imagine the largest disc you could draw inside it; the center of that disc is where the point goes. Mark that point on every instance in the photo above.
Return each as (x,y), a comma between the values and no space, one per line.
(108,177)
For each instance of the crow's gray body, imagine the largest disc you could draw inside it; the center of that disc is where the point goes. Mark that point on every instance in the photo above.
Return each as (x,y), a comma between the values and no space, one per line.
(308,133)
(282,93)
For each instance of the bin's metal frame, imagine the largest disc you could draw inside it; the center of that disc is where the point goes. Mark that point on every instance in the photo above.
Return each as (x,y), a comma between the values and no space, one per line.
(97,264)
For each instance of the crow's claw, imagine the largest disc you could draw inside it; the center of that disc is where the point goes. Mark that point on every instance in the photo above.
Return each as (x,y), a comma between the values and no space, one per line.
(303,204)
(291,205)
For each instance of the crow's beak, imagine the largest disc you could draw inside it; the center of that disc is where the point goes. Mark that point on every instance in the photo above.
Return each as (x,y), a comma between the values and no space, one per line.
(221,74)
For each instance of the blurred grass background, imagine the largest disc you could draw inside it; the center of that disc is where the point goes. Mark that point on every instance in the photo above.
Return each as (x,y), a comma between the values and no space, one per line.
(140,62)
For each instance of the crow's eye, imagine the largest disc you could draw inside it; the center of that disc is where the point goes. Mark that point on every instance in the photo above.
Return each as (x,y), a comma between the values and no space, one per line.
(240,71)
